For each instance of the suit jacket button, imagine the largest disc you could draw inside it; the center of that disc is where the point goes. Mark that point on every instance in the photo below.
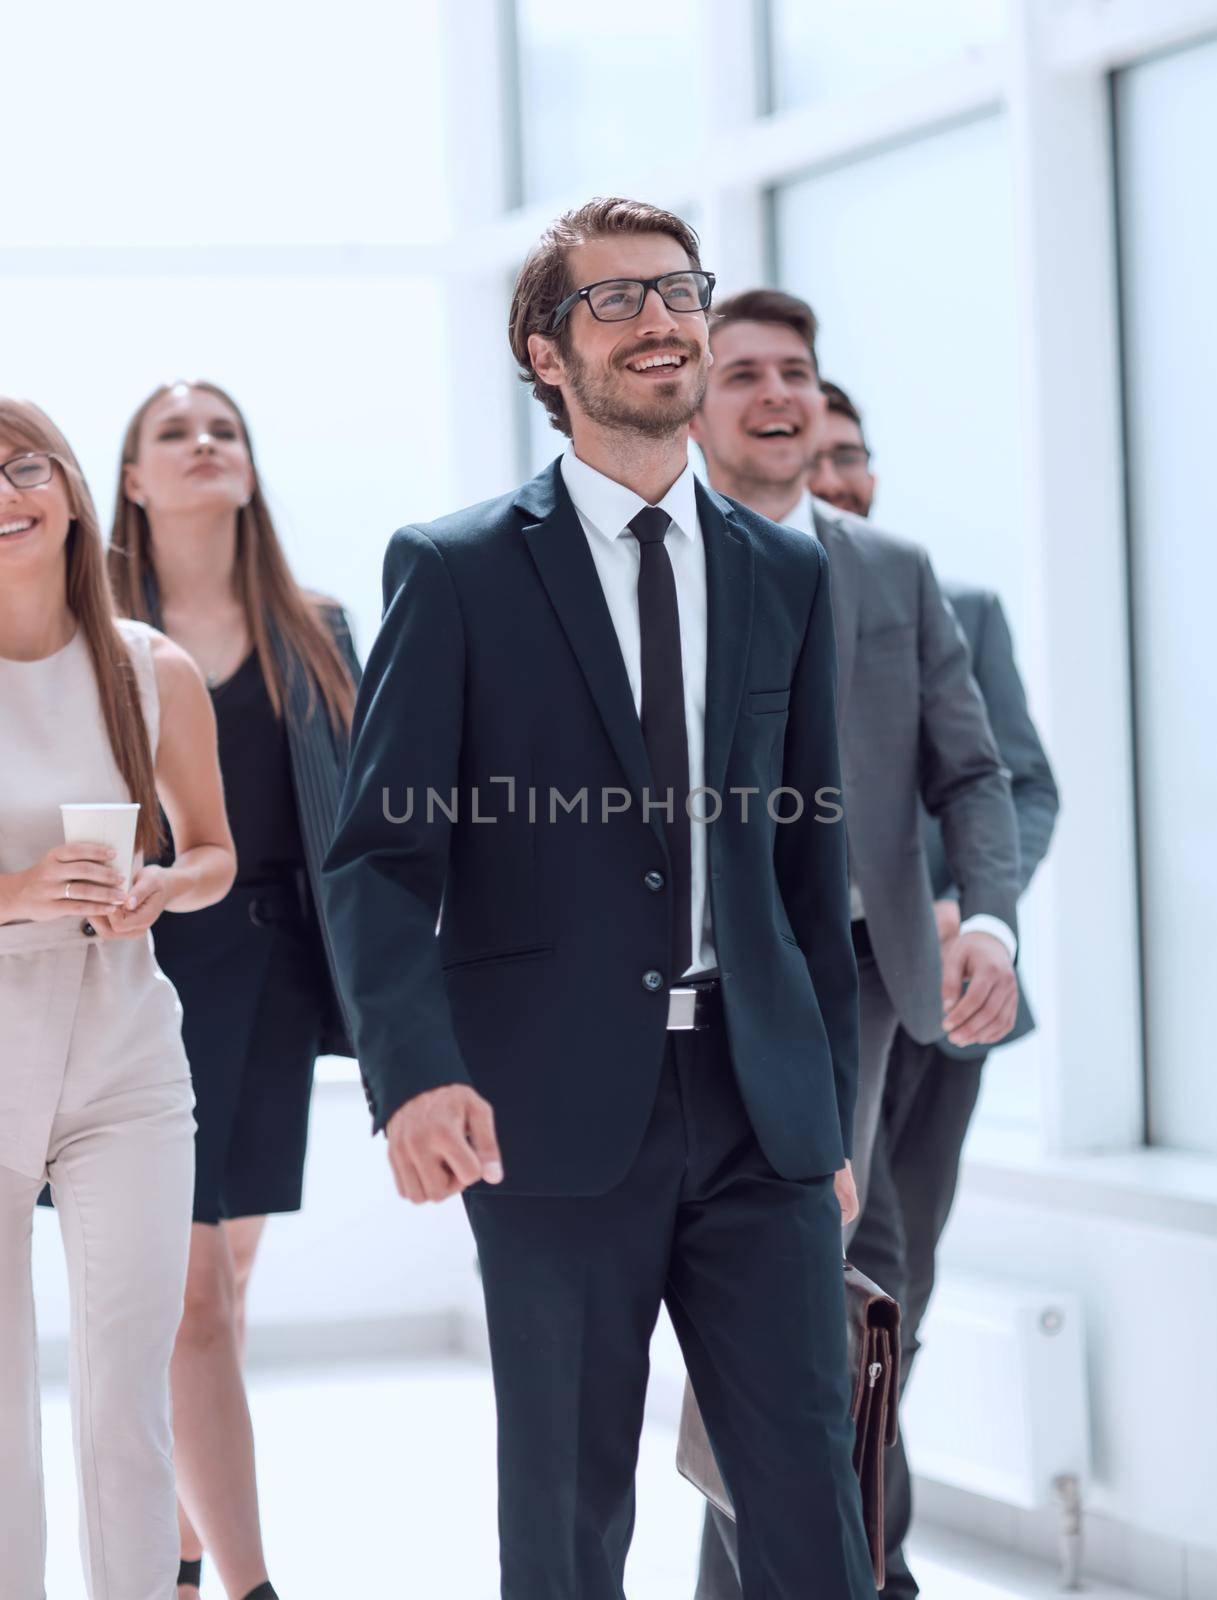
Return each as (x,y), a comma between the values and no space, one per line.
(652,980)
(88,929)
(654,881)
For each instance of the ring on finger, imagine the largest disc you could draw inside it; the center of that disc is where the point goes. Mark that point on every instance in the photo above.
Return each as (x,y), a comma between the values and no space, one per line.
(67,890)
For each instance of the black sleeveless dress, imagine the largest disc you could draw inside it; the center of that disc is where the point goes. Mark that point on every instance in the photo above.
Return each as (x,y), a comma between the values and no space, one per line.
(251,975)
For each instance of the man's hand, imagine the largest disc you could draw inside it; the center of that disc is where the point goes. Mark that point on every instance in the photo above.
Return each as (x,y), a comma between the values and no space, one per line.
(847,1194)
(442,1141)
(987,1012)
(946,915)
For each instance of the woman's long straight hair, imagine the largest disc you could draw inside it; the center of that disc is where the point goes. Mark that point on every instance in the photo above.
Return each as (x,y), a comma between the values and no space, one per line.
(92,604)
(264,583)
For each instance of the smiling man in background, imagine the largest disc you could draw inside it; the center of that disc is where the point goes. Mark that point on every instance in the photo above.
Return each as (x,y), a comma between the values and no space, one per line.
(932,1088)
(913,733)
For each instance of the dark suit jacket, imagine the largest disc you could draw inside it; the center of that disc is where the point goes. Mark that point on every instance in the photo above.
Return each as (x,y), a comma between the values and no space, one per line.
(1036,801)
(497,659)
(318,757)
(913,732)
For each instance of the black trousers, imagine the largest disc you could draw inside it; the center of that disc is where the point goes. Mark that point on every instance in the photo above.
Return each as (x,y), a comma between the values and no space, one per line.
(718,1570)
(927,1106)
(749,1266)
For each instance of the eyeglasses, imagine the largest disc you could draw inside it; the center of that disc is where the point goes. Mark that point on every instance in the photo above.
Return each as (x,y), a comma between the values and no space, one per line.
(844,457)
(619,299)
(29,470)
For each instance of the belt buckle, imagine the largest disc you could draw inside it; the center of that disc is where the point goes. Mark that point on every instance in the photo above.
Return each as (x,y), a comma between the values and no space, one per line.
(682,1010)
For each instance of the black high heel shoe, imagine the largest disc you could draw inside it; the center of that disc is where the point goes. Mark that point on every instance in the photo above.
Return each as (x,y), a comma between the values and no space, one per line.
(191,1572)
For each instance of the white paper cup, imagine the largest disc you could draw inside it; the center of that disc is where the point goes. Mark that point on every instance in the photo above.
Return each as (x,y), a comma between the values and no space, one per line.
(105,824)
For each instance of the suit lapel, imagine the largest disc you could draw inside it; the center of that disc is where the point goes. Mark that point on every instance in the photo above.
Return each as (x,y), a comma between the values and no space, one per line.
(729,584)
(558,546)
(845,580)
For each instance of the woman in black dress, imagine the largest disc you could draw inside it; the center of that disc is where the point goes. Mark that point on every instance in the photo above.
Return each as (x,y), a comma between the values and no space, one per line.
(194,552)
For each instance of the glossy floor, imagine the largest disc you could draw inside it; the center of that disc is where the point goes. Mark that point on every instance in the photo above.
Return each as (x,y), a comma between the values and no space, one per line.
(379,1481)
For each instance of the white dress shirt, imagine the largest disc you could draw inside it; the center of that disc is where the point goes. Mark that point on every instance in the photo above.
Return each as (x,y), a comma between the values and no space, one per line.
(802,520)
(605,509)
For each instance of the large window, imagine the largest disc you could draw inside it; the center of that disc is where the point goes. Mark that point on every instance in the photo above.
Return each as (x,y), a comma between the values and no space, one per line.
(908,258)
(821,51)
(1167,132)
(908,261)
(589,115)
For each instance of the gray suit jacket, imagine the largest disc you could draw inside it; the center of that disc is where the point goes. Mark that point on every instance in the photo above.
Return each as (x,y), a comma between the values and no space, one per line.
(1036,801)
(913,729)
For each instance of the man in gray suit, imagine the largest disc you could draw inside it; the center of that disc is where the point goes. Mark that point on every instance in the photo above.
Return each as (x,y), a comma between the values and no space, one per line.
(932,1088)
(913,735)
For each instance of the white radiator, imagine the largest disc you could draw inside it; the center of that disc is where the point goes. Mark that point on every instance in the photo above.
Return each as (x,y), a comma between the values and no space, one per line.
(997,1403)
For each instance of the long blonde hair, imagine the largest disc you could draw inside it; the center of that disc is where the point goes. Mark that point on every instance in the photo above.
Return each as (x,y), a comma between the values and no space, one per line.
(274,602)
(92,604)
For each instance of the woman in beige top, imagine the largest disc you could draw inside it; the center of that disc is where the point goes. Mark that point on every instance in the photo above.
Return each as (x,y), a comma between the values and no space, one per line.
(94,1086)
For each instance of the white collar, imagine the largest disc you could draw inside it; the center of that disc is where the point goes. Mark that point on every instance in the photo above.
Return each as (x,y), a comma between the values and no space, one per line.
(801,516)
(608,506)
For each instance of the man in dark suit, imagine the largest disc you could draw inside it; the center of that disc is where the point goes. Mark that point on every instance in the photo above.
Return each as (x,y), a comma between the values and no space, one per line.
(932,1087)
(633,1045)
(913,734)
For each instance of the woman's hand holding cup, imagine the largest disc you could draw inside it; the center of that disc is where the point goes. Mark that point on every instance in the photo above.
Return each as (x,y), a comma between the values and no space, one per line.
(71,880)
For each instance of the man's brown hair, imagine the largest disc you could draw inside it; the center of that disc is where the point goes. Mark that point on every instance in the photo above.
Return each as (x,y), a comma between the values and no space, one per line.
(769,305)
(543,282)
(840,402)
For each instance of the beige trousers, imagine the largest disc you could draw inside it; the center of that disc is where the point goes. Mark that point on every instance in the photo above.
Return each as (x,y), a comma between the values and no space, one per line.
(94,1095)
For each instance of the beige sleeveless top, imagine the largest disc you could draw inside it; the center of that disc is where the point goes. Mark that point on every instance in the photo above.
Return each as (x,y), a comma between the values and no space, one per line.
(54,748)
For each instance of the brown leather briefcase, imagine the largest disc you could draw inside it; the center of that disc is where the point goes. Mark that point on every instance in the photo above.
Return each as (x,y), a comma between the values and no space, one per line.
(874,1358)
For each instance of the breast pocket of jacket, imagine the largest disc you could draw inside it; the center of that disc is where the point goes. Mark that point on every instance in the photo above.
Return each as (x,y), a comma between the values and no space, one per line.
(894,639)
(887,672)
(768,702)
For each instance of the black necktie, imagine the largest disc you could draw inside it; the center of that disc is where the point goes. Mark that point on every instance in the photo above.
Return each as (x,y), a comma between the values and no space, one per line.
(663,718)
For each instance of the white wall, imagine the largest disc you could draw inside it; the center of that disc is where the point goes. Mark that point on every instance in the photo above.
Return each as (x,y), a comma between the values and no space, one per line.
(347,450)
(1143,1256)
(144,125)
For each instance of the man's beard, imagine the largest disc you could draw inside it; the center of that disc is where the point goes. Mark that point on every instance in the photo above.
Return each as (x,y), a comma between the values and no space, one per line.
(848,502)
(657,418)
